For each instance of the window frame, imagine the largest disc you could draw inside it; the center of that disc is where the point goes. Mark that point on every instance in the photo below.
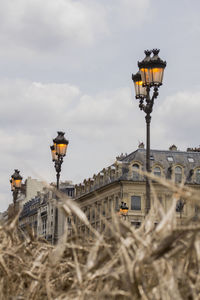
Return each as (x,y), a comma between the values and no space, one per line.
(157,167)
(189,159)
(178,177)
(197,175)
(170,158)
(135,175)
(136,207)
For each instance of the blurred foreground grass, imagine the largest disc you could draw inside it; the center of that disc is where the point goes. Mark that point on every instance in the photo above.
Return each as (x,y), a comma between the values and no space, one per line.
(161,262)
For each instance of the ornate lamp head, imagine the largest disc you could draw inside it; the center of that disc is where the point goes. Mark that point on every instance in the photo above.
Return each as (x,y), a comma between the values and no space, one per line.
(60,144)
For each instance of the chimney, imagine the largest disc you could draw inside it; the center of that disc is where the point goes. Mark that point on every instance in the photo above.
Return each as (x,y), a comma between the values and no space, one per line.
(122,156)
(173,148)
(193,149)
(141,145)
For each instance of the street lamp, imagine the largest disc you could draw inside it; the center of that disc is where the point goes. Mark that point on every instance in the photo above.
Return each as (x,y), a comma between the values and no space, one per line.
(123,211)
(150,75)
(16,183)
(58,151)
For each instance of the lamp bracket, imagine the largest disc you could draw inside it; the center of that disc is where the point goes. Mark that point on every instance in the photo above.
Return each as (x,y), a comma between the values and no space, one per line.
(148,107)
(58,164)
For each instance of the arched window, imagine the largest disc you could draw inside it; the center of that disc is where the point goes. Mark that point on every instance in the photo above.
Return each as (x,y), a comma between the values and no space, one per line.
(198,176)
(157,171)
(178,174)
(135,172)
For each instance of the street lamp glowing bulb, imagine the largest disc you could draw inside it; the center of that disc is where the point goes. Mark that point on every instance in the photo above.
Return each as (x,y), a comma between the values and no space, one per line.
(61,149)
(139,82)
(18,183)
(140,90)
(16,180)
(60,144)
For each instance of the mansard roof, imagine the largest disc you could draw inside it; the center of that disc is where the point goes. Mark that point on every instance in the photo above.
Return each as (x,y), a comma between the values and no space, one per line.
(167,158)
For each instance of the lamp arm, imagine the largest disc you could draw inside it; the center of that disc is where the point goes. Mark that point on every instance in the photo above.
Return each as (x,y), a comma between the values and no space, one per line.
(155,95)
(148,107)
(58,163)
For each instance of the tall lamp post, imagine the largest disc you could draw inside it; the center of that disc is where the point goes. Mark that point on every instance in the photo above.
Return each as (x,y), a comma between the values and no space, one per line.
(150,75)
(16,183)
(58,151)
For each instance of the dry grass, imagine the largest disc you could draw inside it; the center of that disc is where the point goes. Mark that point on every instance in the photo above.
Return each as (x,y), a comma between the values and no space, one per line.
(151,262)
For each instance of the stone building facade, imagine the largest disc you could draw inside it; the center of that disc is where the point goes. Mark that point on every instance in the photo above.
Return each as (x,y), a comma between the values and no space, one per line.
(41,215)
(32,187)
(100,195)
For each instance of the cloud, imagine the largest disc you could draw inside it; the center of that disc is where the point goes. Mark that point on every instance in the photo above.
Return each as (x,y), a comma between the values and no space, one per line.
(48,25)
(129,12)
(37,107)
(176,120)
(27,102)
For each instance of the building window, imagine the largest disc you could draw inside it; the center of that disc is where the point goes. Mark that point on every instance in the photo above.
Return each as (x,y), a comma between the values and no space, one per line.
(198,176)
(44,226)
(178,174)
(88,214)
(110,205)
(191,159)
(116,203)
(196,209)
(170,158)
(99,208)
(160,199)
(135,172)
(135,203)
(136,224)
(157,171)
(93,214)
(104,208)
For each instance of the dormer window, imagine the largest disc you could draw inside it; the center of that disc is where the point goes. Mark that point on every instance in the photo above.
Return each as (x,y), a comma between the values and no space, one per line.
(157,171)
(198,176)
(170,158)
(191,159)
(135,172)
(178,174)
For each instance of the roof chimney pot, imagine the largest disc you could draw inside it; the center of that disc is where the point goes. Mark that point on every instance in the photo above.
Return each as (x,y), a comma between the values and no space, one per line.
(173,148)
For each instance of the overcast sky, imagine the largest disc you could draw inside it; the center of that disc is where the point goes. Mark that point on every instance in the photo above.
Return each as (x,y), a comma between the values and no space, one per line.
(67,65)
